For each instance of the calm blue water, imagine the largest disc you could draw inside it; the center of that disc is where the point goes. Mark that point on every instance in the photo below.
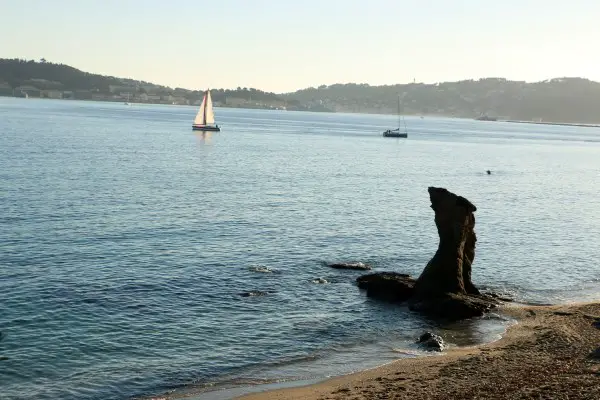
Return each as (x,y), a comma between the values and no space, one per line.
(125,239)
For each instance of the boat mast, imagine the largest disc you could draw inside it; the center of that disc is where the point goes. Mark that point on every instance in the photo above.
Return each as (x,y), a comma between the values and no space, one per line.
(398,113)
(205,105)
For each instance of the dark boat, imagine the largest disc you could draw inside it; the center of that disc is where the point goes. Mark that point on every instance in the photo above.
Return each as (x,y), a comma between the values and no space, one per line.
(205,117)
(206,128)
(395,133)
(486,118)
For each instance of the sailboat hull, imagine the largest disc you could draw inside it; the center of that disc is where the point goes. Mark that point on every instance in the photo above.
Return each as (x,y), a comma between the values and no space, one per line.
(206,128)
(395,134)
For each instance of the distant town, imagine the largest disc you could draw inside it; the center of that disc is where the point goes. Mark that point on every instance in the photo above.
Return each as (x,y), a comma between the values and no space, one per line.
(559,100)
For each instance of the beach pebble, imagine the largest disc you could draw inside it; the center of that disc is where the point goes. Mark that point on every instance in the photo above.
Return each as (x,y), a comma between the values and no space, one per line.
(431,341)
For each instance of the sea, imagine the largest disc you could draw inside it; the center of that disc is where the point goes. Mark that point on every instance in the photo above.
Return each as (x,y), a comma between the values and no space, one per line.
(139,258)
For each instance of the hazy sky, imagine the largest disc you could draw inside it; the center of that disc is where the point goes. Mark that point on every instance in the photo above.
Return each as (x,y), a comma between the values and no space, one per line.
(283,45)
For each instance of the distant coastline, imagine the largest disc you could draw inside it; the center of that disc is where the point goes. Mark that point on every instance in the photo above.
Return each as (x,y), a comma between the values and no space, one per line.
(554,123)
(561,101)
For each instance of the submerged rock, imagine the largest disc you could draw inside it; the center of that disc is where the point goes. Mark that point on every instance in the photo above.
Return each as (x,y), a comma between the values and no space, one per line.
(254,293)
(390,286)
(352,265)
(260,268)
(431,341)
(320,280)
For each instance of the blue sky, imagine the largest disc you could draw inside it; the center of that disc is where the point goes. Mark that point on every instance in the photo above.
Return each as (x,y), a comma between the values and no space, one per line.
(282,45)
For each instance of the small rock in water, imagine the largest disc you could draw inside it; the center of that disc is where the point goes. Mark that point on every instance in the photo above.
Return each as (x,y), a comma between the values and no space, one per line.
(260,268)
(320,280)
(352,265)
(254,293)
(432,341)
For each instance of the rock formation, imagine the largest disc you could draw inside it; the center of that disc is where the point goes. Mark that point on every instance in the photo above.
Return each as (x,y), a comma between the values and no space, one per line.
(390,286)
(449,271)
(431,341)
(351,265)
(444,288)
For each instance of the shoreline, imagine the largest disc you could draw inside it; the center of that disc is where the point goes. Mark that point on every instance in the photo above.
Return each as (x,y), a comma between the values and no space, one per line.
(578,124)
(419,116)
(544,354)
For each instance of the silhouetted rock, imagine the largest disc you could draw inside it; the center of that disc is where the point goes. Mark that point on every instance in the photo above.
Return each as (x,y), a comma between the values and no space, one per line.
(431,341)
(390,286)
(352,265)
(449,271)
(444,289)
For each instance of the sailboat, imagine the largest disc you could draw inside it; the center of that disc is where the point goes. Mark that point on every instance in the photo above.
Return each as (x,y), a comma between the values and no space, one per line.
(206,117)
(396,132)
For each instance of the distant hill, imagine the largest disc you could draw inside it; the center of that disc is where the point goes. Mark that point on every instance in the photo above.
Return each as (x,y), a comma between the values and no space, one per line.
(44,79)
(573,100)
(557,100)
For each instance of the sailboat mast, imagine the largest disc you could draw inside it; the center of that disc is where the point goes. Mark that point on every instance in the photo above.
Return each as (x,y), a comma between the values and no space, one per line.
(205,105)
(398,113)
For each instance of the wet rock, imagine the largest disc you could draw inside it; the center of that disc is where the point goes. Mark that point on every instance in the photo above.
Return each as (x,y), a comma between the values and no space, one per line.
(444,288)
(453,307)
(449,271)
(389,286)
(260,268)
(351,265)
(320,280)
(431,341)
(255,293)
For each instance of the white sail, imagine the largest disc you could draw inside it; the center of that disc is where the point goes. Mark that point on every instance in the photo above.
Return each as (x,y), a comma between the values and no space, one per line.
(210,115)
(199,120)
(205,115)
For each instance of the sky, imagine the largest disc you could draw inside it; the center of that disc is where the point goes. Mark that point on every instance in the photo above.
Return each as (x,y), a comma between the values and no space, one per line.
(285,45)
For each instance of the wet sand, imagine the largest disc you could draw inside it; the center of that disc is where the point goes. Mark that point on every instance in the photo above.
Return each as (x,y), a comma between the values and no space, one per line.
(545,356)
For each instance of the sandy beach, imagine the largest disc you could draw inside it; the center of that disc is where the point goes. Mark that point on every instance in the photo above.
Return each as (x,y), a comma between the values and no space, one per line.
(547,355)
